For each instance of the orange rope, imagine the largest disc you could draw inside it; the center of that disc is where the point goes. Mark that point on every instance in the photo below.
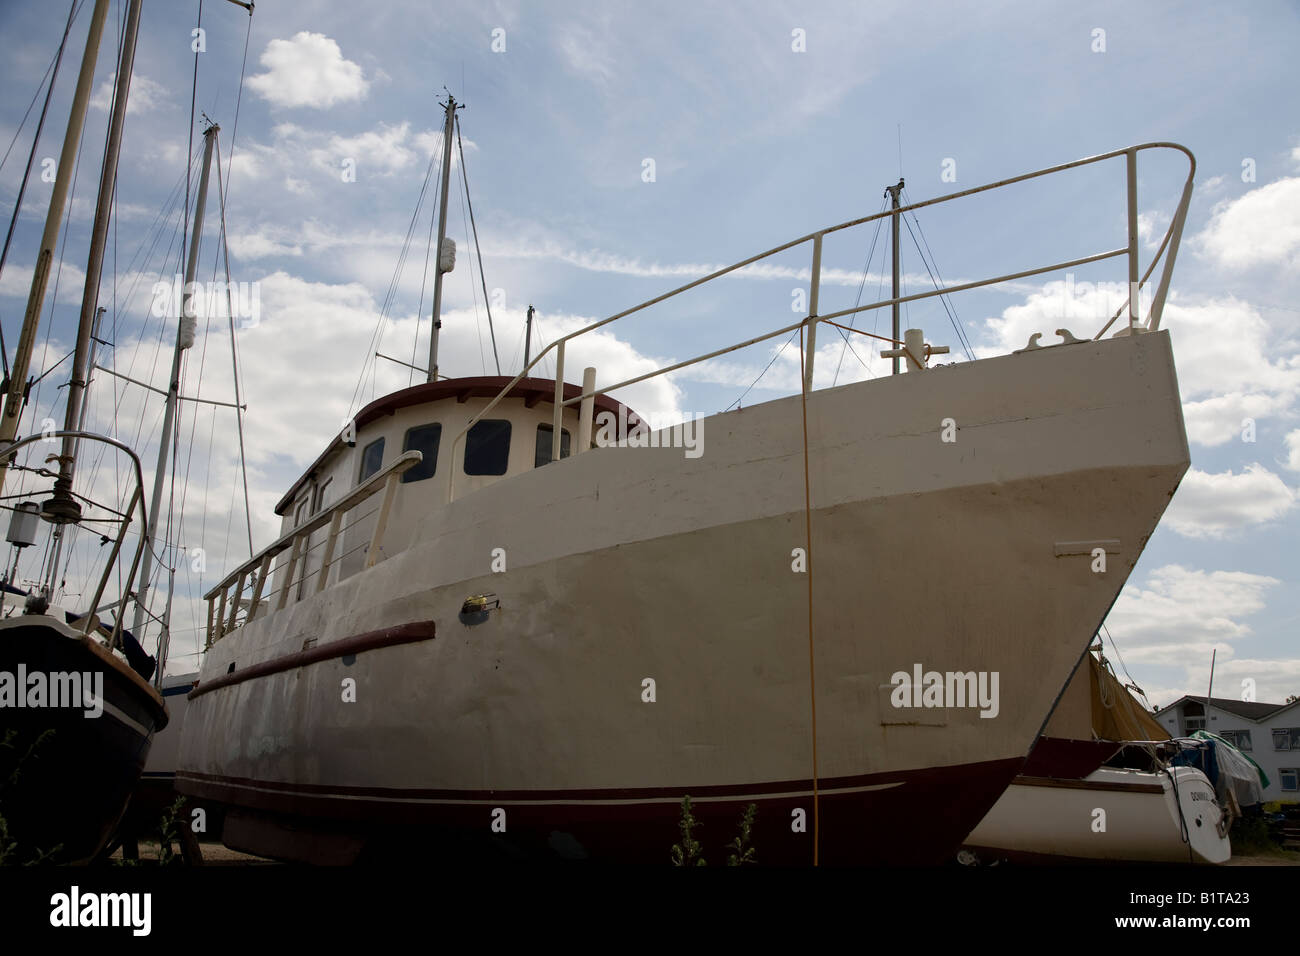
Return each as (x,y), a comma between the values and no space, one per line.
(812,667)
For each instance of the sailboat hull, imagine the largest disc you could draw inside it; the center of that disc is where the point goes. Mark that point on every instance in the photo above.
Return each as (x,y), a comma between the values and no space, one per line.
(69,774)
(660,632)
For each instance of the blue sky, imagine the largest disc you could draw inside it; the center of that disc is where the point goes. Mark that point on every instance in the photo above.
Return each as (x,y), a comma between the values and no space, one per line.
(754,142)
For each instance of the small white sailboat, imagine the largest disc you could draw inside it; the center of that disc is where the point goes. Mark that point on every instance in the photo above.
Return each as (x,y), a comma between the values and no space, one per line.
(1067,805)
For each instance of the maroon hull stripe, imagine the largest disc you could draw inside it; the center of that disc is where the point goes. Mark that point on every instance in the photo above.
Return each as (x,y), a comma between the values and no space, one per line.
(918,816)
(371,640)
(734,791)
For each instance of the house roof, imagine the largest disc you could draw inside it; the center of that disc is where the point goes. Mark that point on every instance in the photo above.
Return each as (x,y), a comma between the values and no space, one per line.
(1247,709)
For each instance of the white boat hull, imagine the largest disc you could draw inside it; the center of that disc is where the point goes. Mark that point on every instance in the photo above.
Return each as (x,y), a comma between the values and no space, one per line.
(631,564)
(1111,816)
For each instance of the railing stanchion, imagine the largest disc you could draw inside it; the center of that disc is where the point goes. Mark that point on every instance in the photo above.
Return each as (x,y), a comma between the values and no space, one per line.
(336,523)
(381,523)
(263,572)
(587,411)
(813,290)
(557,421)
(221,615)
(294,554)
(234,604)
(1131,164)
(1176,235)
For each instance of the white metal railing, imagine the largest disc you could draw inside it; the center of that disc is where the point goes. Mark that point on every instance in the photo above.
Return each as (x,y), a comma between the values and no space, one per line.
(231,588)
(1169,245)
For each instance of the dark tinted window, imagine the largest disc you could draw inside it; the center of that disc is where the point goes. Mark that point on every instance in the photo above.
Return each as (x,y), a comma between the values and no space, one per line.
(372,458)
(424,439)
(487,447)
(544,435)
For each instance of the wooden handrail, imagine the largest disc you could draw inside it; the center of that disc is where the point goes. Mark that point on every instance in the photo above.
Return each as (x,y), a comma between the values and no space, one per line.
(358,494)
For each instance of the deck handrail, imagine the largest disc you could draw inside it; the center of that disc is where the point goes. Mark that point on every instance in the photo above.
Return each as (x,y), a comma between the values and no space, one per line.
(259,565)
(1169,245)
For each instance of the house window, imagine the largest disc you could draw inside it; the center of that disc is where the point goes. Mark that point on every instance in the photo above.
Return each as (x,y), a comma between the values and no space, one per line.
(1238,738)
(371,459)
(1290,777)
(487,447)
(1286,738)
(1195,723)
(424,439)
(545,434)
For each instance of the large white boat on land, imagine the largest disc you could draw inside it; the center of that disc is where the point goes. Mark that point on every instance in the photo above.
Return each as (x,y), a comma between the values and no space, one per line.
(856,608)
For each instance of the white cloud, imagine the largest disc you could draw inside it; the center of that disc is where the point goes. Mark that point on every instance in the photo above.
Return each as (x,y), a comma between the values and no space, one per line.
(1293,450)
(1260,228)
(1213,505)
(145,94)
(1182,609)
(308,70)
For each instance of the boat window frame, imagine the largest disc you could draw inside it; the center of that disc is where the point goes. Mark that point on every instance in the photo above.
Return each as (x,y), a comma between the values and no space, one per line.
(417,472)
(362,474)
(469,443)
(566,443)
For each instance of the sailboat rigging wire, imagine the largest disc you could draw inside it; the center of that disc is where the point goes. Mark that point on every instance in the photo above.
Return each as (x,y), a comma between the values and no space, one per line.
(866,270)
(943,299)
(31,156)
(239,98)
(424,281)
(234,354)
(376,336)
(779,352)
(464,175)
(478,326)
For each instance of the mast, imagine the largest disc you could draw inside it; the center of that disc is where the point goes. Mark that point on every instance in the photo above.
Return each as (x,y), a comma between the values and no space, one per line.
(63,508)
(16,394)
(528,335)
(184,339)
(450,107)
(893,192)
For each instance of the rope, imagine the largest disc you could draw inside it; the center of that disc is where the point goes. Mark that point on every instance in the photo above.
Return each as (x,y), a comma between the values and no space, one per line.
(812,666)
(464,175)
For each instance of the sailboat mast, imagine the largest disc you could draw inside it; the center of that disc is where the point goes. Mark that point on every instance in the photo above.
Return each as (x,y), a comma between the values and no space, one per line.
(86,327)
(893,204)
(184,339)
(16,394)
(442,234)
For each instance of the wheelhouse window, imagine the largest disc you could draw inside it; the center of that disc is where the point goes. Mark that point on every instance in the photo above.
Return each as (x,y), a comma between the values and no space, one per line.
(545,434)
(372,458)
(301,510)
(322,496)
(487,447)
(424,439)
